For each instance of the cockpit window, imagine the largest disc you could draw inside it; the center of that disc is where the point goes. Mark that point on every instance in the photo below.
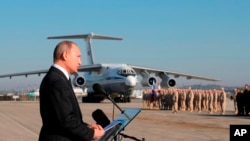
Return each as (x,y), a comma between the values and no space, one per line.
(127,72)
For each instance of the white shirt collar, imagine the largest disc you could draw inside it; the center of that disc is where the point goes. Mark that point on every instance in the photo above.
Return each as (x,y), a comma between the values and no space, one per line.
(62,69)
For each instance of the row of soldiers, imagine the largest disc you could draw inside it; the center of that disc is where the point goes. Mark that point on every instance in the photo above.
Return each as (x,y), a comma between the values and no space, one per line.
(185,100)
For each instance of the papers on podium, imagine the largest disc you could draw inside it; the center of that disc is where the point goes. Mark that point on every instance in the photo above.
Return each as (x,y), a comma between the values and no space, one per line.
(119,123)
(122,118)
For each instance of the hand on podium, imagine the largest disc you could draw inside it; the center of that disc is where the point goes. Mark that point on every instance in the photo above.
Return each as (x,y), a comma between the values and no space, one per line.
(98,131)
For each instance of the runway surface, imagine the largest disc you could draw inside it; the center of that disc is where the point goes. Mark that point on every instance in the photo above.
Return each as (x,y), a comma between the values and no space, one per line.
(21,121)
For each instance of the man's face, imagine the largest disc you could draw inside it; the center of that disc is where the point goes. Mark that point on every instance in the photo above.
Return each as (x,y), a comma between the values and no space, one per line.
(74,59)
(246,87)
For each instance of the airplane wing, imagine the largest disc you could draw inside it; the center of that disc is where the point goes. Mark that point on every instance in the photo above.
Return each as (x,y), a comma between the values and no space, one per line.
(140,70)
(88,68)
(83,68)
(39,72)
(85,36)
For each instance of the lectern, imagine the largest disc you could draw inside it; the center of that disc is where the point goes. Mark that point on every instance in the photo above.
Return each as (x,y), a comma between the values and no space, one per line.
(112,131)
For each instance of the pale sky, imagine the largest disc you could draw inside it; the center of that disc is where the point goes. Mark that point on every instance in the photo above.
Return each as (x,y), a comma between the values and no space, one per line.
(208,38)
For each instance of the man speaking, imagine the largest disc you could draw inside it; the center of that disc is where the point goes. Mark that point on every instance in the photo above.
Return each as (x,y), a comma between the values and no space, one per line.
(59,109)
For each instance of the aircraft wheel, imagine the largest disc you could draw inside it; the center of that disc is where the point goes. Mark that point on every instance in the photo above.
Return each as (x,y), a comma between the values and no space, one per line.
(116,99)
(129,99)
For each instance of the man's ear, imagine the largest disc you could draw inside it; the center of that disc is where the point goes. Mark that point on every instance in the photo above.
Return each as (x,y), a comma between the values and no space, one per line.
(65,55)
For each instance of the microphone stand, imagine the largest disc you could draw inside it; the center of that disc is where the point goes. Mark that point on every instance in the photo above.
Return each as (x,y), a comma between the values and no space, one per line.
(114,103)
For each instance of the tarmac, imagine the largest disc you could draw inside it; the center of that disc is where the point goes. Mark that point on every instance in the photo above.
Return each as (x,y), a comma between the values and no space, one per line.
(20,120)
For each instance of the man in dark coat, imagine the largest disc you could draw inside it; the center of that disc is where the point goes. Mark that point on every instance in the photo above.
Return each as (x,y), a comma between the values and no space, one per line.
(59,109)
(247,99)
(240,101)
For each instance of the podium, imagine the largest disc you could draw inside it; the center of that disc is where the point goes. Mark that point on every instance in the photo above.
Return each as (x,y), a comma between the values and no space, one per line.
(113,130)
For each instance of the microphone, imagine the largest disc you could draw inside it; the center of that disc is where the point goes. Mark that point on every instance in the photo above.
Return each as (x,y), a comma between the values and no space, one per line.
(98,89)
(100,118)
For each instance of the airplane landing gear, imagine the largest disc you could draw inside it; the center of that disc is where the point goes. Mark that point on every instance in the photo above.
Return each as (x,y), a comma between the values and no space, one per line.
(122,99)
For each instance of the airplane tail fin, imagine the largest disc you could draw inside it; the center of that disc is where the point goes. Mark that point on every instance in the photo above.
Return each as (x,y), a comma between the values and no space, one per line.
(87,38)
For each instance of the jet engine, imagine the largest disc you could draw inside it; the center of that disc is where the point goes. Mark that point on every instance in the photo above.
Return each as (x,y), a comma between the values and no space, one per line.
(167,82)
(79,81)
(148,81)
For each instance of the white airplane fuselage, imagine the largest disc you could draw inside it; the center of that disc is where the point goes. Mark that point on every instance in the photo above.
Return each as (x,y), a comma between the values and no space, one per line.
(114,79)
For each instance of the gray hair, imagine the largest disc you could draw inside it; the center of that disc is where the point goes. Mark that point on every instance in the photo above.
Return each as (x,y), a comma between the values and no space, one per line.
(60,48)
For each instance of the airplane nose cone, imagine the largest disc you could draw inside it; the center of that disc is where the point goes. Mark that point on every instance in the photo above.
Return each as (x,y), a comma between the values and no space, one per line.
(130,81)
